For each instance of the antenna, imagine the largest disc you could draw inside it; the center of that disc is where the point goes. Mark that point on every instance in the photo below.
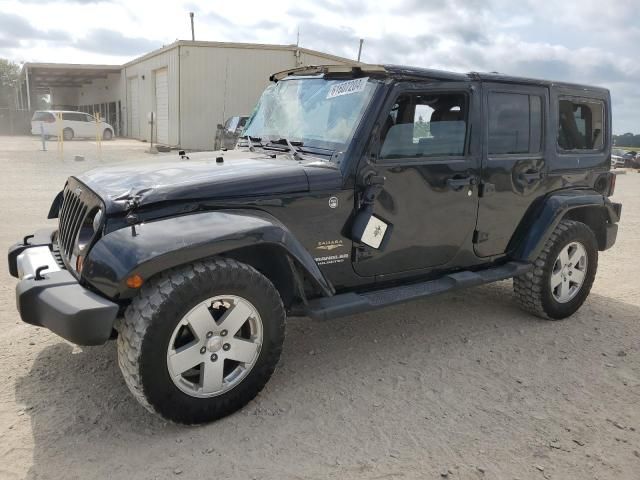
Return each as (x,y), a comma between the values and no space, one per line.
(298,38)
(193,35)
(360,49)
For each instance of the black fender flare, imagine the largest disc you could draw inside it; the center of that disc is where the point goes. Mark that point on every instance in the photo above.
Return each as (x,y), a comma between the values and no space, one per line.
(542,219)
(149,248)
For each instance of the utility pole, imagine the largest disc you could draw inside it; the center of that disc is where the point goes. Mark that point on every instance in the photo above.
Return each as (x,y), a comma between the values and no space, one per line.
(26,74)
(360,49)
(193,35)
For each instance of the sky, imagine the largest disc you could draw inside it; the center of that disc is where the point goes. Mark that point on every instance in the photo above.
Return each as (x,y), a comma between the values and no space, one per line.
(587,41)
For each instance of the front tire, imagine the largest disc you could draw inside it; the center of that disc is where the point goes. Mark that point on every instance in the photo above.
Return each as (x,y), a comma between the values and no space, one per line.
(107,134)
(563,273)
(201,341)
(67,134)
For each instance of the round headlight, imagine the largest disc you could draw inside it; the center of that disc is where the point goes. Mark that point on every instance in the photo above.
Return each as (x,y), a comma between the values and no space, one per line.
(97,220)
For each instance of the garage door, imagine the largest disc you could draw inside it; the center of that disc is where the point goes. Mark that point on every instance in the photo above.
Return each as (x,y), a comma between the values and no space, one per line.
(133,108)
(162,107)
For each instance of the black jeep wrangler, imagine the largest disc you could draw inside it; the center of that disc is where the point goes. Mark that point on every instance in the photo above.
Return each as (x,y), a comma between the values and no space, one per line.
(351,189)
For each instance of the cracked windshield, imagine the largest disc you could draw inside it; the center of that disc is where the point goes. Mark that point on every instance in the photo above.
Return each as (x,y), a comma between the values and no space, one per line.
(317,112)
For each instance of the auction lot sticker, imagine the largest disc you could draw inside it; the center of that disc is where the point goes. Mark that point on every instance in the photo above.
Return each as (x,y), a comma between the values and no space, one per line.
(347,88)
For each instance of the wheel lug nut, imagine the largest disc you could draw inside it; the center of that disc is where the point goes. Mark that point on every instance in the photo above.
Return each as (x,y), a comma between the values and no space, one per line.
(214,357)
(203,350)
(209,334)
(226,347)
(223,333)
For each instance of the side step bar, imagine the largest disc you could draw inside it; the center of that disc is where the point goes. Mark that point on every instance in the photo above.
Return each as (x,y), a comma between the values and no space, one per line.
(351,303)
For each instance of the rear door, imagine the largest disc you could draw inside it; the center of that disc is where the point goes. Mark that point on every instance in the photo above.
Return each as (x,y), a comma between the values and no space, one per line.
(71,120)
(88,125)
(514,164)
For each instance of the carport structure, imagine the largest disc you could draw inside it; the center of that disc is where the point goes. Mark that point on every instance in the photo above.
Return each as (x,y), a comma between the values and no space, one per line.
(64,84)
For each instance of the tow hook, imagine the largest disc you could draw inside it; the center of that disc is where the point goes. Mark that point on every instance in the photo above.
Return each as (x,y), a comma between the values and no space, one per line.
(39,270)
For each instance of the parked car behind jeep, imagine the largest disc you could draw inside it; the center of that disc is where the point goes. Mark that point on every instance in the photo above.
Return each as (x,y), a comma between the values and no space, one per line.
(73,125)
(617,158)
(227,135)
(353,188)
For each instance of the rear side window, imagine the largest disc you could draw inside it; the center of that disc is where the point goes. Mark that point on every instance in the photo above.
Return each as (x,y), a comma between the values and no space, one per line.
(581,124)
(75,117)
(42,117)
(515,123)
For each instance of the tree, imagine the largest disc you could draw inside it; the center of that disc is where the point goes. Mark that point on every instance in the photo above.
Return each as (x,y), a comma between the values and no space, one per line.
(9,75)
(626,140)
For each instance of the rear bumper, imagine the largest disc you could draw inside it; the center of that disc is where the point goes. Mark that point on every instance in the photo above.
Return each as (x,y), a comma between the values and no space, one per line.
(611,230)
(611,233)
(55,300)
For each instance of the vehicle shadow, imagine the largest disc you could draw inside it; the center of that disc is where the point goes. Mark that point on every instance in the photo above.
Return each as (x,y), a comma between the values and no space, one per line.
(85,423)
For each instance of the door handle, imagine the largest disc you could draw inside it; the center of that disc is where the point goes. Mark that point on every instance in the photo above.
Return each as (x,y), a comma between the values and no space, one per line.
(456,184)
(530,176)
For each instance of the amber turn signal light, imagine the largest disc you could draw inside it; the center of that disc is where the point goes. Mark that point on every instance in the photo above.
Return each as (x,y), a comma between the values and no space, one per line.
(79,263)
(134,281)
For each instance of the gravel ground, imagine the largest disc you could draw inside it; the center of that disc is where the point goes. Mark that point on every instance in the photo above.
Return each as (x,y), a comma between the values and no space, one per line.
(463,385)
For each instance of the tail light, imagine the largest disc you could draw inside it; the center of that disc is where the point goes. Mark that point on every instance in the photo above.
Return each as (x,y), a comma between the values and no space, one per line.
(612,185)
(606,184)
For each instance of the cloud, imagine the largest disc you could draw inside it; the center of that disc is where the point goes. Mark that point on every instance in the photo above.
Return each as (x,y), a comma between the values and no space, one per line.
(590,44)
(82,2)
(110,42)
(9,43)
(14,27)
(350,7)
(266,25)
(300,13)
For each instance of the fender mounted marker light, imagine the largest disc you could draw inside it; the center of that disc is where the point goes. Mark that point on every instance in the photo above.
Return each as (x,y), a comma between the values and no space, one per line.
(134,281)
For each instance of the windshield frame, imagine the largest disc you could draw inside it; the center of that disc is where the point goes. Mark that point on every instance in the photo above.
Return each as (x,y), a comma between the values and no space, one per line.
(312,146)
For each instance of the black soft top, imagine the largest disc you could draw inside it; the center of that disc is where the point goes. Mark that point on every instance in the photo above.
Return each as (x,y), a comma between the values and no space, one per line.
(407,73)
(417,73)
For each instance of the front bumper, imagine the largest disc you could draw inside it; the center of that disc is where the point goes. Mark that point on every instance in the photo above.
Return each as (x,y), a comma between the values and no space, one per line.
(52,298)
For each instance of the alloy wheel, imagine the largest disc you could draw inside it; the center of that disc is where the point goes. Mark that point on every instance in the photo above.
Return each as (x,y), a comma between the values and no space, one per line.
(568,272)
(215,346)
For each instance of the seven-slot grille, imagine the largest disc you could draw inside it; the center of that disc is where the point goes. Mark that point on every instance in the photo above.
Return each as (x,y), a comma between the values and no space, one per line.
(78,202)
(72,215)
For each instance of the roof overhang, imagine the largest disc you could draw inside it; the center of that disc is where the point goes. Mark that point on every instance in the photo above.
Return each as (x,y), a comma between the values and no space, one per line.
(43,76)
(355,70)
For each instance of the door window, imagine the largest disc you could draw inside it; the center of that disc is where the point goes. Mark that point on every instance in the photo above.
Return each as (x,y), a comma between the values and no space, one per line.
(75,117)
(580,124)
(515,123)
(421,125)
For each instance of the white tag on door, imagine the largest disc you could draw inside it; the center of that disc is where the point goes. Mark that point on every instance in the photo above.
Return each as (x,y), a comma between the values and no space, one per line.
(374,232)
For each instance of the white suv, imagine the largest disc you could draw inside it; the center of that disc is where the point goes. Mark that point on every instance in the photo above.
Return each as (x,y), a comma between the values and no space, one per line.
(74,124)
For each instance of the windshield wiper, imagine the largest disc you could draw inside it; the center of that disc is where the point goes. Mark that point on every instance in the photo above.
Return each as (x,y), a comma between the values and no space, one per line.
(250,141)
(295,152)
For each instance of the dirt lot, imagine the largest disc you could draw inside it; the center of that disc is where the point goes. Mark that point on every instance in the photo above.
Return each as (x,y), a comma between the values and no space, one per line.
(464,385)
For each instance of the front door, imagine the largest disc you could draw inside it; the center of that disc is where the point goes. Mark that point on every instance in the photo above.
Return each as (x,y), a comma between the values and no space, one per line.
(513,165)
(430,167)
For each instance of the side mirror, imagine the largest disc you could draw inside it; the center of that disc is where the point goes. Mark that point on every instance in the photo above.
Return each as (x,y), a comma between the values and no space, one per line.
(220,126)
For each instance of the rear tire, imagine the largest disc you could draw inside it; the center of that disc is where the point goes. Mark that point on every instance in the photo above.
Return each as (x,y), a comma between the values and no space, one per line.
(107,134)
(174,314)
(67,134)
(562,275)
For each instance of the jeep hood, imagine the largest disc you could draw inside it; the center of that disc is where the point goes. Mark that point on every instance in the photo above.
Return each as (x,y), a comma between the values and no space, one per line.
(201,177)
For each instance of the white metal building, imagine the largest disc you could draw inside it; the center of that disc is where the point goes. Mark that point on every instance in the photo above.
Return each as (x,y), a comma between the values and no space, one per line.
(191,87)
